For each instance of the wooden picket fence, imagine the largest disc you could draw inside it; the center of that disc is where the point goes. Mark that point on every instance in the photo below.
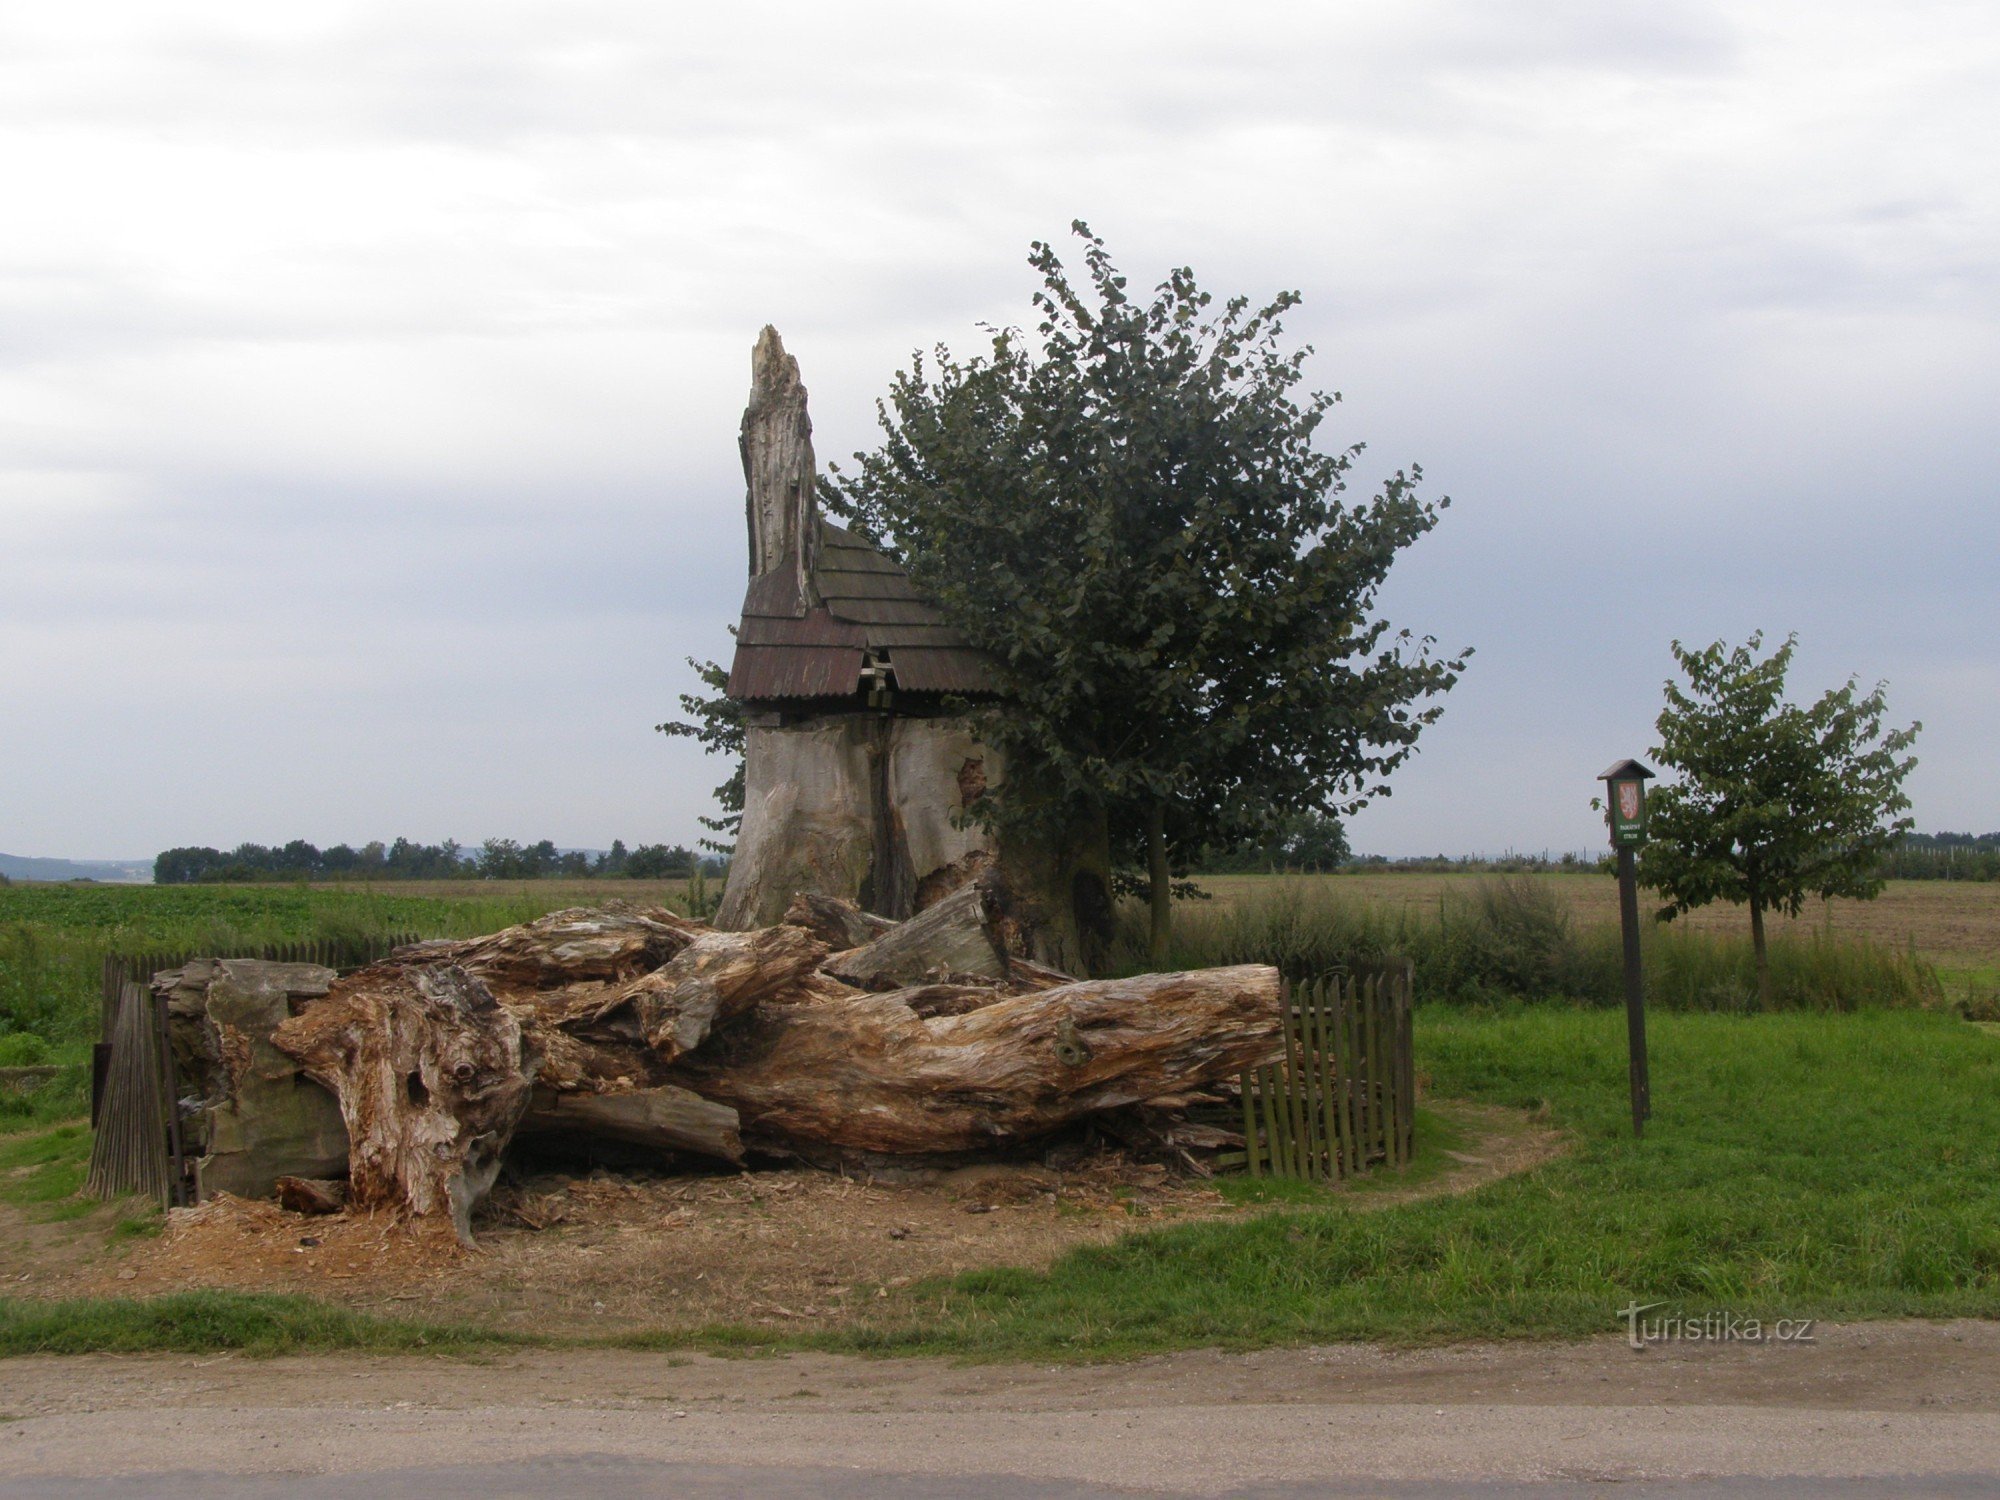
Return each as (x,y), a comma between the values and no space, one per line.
(135,1102)
(1344,1098)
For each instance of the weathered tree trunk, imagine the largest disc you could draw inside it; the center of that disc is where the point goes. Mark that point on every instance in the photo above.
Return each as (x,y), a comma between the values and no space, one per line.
(1758,948)
(856,806)
(838,923)
(665,1119)
(930,1039)
(954,937)
(432,1077)
(808,817)
(671,1010)
(870,1075)
(1159,879)
(609,945)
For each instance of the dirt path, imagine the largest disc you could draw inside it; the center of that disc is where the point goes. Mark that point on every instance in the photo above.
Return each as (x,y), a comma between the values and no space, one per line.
(1897,1399)
(791,1250)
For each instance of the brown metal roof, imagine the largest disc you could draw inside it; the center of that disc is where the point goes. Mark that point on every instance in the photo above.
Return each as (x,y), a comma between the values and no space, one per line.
(814,656)
(957,669)
(866,603)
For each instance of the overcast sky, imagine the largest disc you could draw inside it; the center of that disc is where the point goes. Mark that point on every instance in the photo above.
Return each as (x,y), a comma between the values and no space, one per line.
(370,373)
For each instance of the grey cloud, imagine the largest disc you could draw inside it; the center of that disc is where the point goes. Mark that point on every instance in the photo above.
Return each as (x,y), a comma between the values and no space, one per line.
(405,386)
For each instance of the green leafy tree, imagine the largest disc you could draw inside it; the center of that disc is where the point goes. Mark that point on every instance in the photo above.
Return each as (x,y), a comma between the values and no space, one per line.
(1127,511)
(716,722)
(1775,802)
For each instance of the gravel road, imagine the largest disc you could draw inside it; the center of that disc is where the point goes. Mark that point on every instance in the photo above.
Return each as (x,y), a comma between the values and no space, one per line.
(1865,1409)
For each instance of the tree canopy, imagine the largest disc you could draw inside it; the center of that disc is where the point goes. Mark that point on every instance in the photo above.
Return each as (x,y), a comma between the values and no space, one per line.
(1126,509)
(1775,802)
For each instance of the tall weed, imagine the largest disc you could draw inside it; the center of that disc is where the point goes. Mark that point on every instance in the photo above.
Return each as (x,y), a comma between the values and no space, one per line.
(1512,937)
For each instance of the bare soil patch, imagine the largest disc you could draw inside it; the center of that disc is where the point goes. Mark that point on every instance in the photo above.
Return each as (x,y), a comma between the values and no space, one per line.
(601,1253)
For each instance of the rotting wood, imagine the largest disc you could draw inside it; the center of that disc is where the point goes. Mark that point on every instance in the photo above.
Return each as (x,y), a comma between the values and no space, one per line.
(663,1034)
(671,1010)
(665,1119)
(871,1075)
(311,1195)
(954,937)
(611,945)
(835,921)
(432,1077)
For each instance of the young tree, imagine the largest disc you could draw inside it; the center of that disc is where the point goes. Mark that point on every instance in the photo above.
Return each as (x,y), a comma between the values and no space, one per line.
(1775,802)
(1129,515)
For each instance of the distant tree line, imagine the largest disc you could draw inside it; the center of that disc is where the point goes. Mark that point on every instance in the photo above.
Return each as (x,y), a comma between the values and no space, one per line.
(496,859)
(1944,856)
(1306,843)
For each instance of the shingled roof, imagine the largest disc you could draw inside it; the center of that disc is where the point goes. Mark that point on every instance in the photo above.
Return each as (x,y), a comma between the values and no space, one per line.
(867,604)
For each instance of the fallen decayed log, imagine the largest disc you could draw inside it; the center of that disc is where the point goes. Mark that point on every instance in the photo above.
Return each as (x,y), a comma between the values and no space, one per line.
(871,1075)
(914,1039)
(432,1077)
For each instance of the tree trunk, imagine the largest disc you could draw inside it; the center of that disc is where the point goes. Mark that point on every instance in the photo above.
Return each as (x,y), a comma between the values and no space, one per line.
(1058,887)
(665,1119)
(955,937)
(666,1035)
(1160,883)
(671,1010)
(611,944)
(838,923)
(869,1075)
(1757,944)
(432,1077)
(808,816)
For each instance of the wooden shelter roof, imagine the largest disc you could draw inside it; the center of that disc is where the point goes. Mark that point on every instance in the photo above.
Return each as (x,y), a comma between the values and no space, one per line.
(865,604)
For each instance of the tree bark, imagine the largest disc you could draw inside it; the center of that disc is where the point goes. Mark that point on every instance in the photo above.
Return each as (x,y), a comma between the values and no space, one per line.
(1757,944)
(955,937)
(837,922)
(870,1075)
(931,1039)
(1160,882)
(665,1119)
(432,1077)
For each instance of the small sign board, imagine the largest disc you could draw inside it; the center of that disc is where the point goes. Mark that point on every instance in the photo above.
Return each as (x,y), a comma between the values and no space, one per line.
(1626,802)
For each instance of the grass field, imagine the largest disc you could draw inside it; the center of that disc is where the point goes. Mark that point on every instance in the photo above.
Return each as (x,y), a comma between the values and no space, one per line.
(1831,1166)
(1798,1166)
(1473,937)
(52,937)
(1954,924)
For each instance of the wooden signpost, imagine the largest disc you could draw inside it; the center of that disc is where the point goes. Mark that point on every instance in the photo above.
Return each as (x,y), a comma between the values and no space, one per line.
(1625,799)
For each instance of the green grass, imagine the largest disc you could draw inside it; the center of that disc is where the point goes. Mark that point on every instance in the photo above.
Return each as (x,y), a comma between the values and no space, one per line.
(1796,1166)
(43,1173)
(1974,991)
(63,1098)
(1438,1133)
(193,1322)
(53,937)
